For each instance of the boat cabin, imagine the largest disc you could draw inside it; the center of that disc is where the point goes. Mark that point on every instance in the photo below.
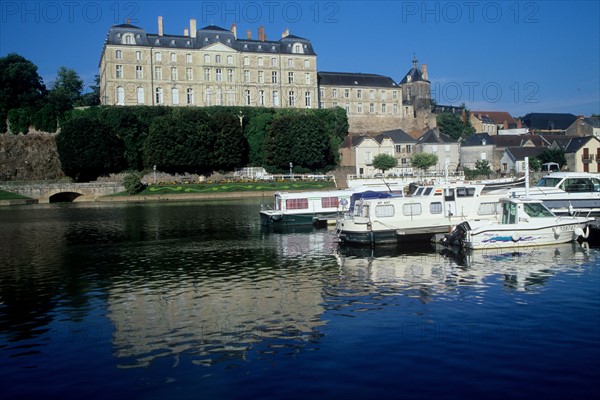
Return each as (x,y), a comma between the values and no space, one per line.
(515,211)
(570,183)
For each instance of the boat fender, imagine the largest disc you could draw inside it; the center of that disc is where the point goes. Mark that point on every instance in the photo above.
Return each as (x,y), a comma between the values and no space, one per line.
(580,232)
(515,237)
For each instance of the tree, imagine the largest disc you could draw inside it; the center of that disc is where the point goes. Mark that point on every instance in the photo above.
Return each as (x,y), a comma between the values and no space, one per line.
(91,98)
(87,148)
(424,161)
(553,155)
(66,90)
(384,162)
(535,164)
(483,167)
(20,86)
(450,124)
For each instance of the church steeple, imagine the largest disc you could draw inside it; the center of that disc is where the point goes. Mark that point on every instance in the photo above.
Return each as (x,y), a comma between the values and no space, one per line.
(415,62)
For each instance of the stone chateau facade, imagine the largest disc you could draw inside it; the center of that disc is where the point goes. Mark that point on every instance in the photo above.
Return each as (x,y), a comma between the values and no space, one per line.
(214,66)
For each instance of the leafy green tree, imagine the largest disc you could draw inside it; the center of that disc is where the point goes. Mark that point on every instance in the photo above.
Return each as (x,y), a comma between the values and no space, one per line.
(384,162)
(553,155)
(87,148)
(180,143)
(91,98)
(483,167)
(255,132)
(535,164)
(66,90)
(450,124)
(299,138)
(20,86)
(133,182)
(230,149)
(424,161)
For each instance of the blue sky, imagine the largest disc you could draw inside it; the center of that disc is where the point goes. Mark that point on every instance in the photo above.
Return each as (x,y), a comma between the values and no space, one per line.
(516,56)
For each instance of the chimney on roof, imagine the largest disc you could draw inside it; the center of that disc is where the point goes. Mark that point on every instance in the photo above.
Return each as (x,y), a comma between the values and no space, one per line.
(234,30)
(424,72)
(249,34)
(193,28)
(285,33)
(160,26)
(186,32)
(519,123)
(505,124)
(261,34)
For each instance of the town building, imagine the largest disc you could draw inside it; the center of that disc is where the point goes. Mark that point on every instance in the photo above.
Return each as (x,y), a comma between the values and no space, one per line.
(213,66)
(549,123)
(585,126)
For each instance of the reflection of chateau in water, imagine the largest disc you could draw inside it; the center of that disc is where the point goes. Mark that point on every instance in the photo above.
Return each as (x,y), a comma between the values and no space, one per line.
(227,310)
(445,270)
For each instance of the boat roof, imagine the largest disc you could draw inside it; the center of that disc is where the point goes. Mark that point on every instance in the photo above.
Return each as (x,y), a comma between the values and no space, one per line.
(571,175)
(519,200)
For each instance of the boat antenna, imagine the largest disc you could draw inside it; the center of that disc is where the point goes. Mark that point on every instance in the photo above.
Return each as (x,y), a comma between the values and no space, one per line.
(526,167)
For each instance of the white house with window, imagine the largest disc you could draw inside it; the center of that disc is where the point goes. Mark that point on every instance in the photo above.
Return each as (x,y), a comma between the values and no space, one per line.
(443,146)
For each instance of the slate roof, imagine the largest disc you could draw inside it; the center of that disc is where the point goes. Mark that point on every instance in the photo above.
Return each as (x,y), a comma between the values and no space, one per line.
(594,122)
(518,140)
(433,136)
(548,121)
(577,143)
(350,79)
(519,153)
(397,136)
(477,140)
(207,36)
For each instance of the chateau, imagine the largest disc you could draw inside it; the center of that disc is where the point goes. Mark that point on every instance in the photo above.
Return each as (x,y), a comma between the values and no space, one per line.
(213,66)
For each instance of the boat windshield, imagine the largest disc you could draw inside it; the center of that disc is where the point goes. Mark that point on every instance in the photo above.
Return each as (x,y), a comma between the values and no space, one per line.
(548,182)
(537,210)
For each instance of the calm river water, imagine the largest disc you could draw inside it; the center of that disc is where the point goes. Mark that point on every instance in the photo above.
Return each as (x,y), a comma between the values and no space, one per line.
(195,300)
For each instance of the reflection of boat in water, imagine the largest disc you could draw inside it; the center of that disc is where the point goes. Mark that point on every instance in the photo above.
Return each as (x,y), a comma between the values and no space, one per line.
(447,269)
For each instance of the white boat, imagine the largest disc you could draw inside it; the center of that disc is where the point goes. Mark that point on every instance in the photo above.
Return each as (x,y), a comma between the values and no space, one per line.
(308,208)
(524,223)
(565,193)
(430,210)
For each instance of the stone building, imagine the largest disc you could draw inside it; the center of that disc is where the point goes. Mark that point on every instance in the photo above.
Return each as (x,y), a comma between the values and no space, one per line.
(206,67)
(214,66)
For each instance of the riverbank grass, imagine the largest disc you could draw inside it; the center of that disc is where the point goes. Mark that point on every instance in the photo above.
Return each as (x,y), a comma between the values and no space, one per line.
(4,195)
(228,187)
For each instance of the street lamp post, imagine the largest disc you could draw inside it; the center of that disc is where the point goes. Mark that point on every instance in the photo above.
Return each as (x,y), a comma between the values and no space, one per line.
(291,167)
(154,168)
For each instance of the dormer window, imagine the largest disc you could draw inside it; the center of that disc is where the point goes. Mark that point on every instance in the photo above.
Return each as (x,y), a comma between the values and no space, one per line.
(128,39)
(297,49)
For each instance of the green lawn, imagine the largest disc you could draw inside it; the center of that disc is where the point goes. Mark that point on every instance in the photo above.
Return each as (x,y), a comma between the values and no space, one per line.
(191,188)
(10,196)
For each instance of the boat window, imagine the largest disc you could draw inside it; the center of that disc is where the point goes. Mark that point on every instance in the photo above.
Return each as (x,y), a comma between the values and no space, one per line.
(548,182)
(384,210)
(329,202)
(578,185)
(470,191)
(411,209)
(536,210)
(427,191)
(461,192)
(418,191)
(296,204)
(435,208)
(489,208)
(449,194)
(509,213)
(596,184)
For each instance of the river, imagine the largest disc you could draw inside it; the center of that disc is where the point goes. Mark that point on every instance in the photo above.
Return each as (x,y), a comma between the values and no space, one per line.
(196,300)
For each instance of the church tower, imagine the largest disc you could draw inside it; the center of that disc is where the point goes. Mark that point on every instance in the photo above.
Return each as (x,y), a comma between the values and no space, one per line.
(416,98)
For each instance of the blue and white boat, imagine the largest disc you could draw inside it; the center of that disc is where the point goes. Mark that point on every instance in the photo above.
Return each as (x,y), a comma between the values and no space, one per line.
(523,223)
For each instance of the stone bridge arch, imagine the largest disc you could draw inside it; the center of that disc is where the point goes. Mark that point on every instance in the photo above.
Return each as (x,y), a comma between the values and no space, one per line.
(63,197)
